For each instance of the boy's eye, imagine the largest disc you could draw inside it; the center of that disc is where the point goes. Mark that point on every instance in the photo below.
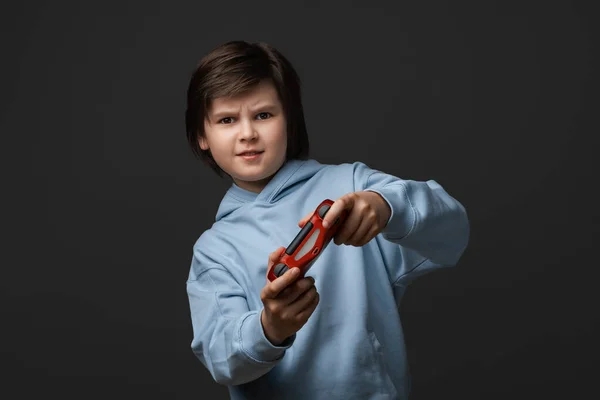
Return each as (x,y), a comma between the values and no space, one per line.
(263,115)
(226,120)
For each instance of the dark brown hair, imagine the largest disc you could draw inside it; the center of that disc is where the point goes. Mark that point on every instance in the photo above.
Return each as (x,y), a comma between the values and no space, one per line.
(232,69)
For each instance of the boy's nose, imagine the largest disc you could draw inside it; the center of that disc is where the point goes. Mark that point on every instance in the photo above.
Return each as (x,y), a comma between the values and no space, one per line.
(248,132)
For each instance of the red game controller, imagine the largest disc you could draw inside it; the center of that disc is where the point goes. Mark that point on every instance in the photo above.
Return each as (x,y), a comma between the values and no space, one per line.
(308,244)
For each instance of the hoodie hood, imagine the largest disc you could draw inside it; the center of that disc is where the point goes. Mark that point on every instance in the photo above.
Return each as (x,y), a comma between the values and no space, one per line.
(291,175)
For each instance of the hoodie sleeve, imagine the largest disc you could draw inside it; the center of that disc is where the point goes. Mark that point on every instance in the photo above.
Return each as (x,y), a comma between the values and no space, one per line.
(424,217)
(228,337)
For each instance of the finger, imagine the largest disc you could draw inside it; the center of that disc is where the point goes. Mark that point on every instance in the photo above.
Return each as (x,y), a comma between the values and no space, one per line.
(366,224)
(307,312)
(346,202)
(273,258)
(374,231)
(348,228)
(296,290)
(305,219)
(272,289)
(303,301)
(299,286)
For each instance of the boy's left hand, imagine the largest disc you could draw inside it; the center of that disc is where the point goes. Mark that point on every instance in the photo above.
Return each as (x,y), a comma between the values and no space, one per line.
(368,214)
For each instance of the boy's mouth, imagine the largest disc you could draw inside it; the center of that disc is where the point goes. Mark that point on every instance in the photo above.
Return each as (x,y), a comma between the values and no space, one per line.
(250,153)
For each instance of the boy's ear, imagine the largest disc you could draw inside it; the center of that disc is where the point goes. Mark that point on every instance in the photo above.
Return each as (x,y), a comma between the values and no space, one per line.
(203,143)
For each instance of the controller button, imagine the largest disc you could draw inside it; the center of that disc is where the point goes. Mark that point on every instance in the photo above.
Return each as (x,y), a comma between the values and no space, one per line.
(280,269)
(323,210)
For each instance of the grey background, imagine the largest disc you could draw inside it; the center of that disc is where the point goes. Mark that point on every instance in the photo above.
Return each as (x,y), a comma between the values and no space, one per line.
(102,200)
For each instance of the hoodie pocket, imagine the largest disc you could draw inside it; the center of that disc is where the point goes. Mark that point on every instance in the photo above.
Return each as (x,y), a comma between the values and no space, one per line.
(381,366)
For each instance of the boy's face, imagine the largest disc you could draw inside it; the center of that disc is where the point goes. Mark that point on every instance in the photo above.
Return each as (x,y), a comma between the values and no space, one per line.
(254,121)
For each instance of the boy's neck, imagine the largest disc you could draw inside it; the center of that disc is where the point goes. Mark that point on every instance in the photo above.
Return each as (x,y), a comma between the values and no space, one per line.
(255,186)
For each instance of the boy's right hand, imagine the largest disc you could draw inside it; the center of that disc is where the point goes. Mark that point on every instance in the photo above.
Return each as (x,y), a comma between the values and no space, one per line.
(288,302)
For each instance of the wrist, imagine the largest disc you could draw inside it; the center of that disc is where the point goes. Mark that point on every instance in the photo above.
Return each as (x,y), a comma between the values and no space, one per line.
(268,331)
(384,209)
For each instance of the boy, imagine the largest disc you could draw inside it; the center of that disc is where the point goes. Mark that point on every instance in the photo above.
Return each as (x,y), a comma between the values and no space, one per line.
(337,333)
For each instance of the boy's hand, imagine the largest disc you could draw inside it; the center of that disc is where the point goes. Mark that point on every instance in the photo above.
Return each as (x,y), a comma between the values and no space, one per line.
(368,214)
(288,302)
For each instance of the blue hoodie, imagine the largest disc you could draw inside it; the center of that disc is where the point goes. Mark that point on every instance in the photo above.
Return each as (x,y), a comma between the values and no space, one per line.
(352,346)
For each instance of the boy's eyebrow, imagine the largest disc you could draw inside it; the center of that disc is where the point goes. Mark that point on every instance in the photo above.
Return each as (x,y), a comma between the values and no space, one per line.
(224,112)
(262,104)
